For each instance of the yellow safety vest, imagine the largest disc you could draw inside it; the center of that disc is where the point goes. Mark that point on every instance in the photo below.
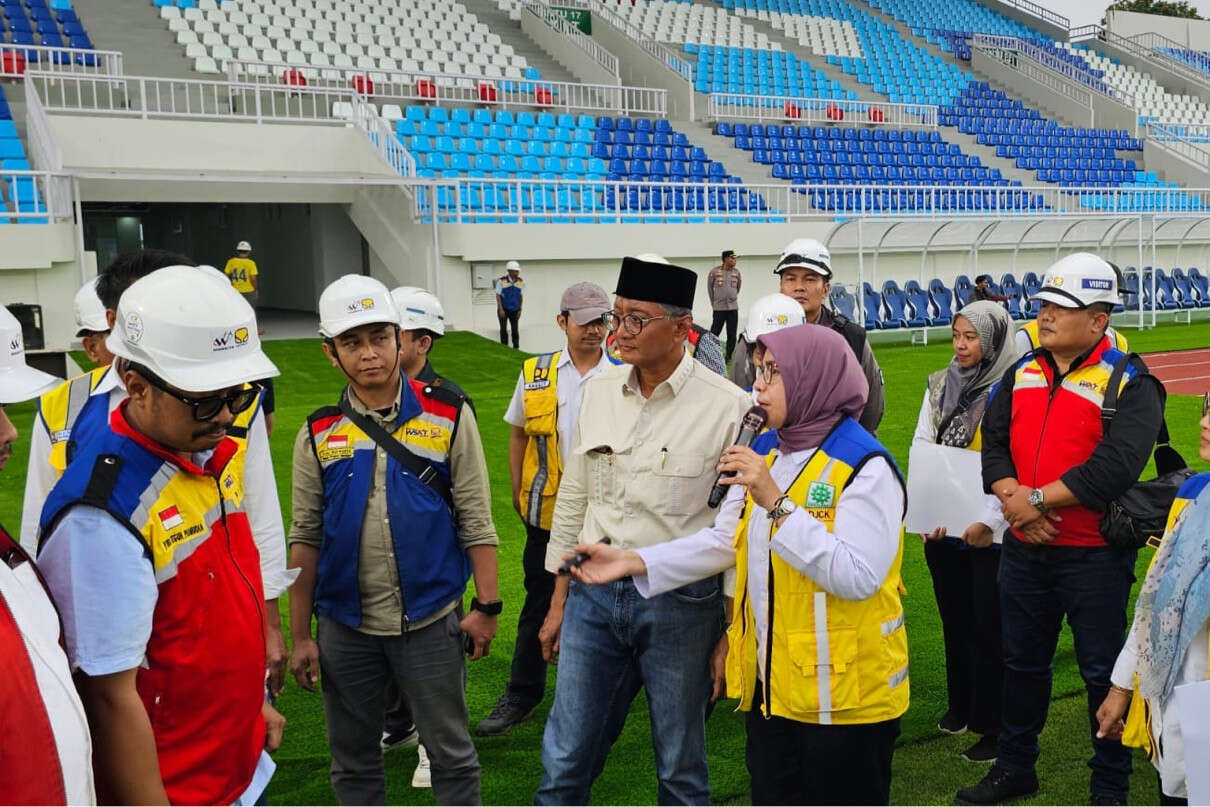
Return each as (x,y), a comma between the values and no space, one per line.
(541,466)
(830,660)
(1030,329)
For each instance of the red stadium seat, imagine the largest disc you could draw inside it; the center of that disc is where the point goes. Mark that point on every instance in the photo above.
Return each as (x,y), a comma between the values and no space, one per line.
(543,96)
(12,63)
(833,112)
(426,88)
(294,78)
(792,110)
(876,115)
(363,85)
(487,92)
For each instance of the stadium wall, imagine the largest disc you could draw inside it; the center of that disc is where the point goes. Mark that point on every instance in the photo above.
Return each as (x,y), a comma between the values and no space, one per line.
(1192,33)
(39,266)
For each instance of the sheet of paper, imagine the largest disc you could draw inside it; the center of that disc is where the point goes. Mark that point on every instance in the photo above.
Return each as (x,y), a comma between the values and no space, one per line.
(1192,703)
(945,488)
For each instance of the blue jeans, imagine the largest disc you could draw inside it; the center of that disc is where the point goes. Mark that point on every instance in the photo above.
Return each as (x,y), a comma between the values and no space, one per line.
(614,642)
(1038,586)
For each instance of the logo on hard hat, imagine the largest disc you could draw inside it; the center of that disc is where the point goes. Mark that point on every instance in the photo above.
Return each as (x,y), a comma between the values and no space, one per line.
(15,345)
(241,336)
(364,304)
(1097,284)
(229,340)
(134,328)
(1056,281)
(782,319)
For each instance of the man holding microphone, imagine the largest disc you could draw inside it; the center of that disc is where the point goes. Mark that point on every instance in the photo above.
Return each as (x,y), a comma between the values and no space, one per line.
(639,473)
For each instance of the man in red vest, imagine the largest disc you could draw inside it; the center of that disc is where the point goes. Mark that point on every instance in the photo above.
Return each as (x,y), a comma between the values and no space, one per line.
(45,751)
(1055,470)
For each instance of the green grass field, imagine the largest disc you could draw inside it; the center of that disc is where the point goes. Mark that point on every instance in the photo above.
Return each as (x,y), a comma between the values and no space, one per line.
(927,767)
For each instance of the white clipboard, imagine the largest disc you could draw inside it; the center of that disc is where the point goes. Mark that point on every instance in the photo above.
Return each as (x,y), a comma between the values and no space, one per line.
(944,489)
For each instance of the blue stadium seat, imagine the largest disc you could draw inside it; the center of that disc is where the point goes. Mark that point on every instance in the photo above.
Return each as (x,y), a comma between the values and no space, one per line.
(843,301)
(872,303)
(943,302)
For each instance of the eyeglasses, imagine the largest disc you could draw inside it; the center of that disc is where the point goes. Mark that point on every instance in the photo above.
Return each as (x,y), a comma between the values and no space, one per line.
(208,408)
(767,372)
(633,322)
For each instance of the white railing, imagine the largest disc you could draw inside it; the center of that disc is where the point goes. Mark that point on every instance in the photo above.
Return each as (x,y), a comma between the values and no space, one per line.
(58,60)
(43,147)
(382,137)
(1076,93)
(1035,10)
(793,109)
(144,97)
(452,88)
(1155,43)
(36,197)
(1193,146)
(1080,75)
(1138,49)
(561,24)
(656,49)
(572,201)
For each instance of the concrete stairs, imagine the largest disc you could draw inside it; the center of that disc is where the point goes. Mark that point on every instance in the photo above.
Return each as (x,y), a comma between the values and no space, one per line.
(148,48)
(510,32)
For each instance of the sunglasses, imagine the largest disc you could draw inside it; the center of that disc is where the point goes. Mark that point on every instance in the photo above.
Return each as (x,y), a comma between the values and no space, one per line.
(207,408)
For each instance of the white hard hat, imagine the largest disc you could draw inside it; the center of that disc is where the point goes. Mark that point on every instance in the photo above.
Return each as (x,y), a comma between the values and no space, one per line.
(354,300)
(195,334)
(1078,281)
(89,310)
(772,313)
(18,381)
(243,246)
(214,273)
(512,266)
(419,308)
(806,253)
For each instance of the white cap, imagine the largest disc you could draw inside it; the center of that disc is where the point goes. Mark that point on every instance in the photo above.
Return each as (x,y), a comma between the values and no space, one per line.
(195,334)
(243,246)
(419,308)
(1078,281)
(806,253)
(354,300)
(512,266)
(89,310)
(18,381)
(772,313)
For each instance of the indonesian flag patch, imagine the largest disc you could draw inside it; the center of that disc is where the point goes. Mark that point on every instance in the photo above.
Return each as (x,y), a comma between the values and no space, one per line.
(170,517)
(337,441)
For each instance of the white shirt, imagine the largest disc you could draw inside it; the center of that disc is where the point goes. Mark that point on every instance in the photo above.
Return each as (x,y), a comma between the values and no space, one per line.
(38,623)
(569,386)
(260,492)
(851,562)
(993,514)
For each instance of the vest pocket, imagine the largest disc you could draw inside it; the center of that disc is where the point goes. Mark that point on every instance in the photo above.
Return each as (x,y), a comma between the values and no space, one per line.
(541,413)
(828,661)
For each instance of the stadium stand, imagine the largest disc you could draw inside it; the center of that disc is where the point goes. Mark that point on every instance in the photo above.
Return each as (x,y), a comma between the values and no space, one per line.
(1151,100)
(1195,58)
(17,193)
(35,22)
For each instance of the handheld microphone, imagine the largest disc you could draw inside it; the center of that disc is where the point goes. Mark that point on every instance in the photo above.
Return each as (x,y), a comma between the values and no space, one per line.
(749,428)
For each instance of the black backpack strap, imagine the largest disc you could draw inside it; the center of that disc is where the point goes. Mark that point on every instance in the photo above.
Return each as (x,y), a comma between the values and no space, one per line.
(1166,458)
(425,472)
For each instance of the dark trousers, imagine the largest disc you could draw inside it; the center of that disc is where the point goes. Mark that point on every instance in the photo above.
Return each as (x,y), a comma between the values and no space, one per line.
(509,318)
(968,599)
(729,319)
(807,763)
(1039,585)
(398,716)
(527,682)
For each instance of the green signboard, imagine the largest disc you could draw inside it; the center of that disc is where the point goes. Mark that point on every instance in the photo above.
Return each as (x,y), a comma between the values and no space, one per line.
(578,17)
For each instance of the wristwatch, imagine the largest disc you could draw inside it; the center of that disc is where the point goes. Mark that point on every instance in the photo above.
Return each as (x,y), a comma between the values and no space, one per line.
(492,608)
(784,506)
(1036,499)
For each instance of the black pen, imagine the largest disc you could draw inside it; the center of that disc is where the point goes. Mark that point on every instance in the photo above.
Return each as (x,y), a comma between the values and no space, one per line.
(579,558)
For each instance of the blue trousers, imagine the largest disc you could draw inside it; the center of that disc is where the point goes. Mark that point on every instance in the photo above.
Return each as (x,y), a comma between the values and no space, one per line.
(614,642)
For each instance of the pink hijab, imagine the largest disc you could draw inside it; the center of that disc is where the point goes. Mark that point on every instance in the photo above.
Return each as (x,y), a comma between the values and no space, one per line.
(823,381)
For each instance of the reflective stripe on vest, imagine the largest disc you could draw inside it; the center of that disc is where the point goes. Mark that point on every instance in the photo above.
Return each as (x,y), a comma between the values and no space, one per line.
(62,407)
(542,465)
(829,660)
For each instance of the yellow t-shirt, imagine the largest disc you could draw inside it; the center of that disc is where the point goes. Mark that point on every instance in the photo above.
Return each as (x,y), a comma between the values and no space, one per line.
(241,271)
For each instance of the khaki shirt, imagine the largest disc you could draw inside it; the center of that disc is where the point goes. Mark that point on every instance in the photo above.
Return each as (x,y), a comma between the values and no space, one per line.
(723,287)
(641,469)
(378,574)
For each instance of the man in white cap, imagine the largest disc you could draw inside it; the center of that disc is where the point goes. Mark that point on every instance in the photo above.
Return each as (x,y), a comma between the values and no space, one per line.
(43,719)
(542,414)
(92,326)
(768,314)
(78,408)
(147,549)
(1049,458)
(1027,338)
(510,295)
(805,273)
(243,274)
(392,515)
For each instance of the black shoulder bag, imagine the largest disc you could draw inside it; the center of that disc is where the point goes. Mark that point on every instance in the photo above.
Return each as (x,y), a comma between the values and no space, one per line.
(424,472)
(1142,511)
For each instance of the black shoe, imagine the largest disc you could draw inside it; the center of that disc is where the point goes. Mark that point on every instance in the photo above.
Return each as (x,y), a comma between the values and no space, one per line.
(404,738)
(508,712)
(998,787)
(950,723)
(1102,799)
(982,751)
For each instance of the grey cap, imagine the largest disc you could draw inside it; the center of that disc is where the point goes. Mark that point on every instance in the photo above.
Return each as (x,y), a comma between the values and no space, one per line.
(585,302)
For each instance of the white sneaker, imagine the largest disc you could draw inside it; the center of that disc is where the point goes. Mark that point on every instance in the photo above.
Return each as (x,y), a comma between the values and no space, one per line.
(423,777)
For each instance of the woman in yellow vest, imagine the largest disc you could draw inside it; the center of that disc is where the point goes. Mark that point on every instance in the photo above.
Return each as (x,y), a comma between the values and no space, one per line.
(1169,642)
(817,652)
